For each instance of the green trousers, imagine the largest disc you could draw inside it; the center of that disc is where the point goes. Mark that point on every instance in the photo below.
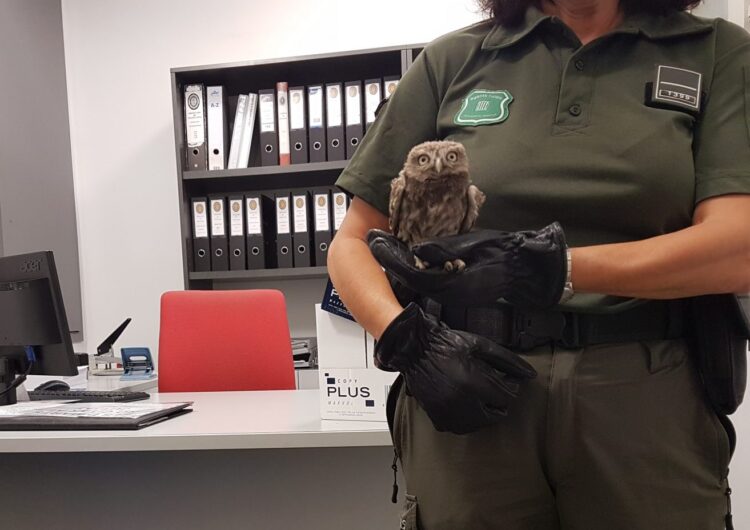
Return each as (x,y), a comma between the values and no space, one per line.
(611,437)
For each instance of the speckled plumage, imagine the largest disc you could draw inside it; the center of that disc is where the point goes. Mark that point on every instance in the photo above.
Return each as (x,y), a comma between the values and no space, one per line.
(433,195)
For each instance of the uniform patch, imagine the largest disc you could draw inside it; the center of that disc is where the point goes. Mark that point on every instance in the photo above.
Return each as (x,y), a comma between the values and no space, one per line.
(483,107)
(675,87)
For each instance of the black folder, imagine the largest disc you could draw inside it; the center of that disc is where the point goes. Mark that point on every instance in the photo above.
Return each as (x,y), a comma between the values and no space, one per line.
(354,121)
(316,120)
(335,122)
(201,245)
(269,138)
(321,225)
(195,128)
(298,125)
(373,94)
(29,422)
(284,253)
(301,225)
(236,233)
(339,205)
(258,207)
(219,241)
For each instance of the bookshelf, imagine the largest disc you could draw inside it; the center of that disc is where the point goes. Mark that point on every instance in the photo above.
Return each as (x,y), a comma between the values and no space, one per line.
(252,76)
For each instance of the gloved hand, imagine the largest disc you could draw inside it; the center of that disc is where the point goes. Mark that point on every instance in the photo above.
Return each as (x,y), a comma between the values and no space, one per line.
(462,381)
(525,268)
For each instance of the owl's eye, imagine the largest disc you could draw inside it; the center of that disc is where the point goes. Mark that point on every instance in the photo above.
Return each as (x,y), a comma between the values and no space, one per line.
(451,156)
(423,159)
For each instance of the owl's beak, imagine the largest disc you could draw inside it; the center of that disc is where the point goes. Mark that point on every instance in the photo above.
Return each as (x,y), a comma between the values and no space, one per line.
(438,165)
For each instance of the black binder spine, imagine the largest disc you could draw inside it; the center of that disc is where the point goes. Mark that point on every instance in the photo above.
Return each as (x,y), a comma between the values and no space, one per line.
(201,245)
(373,94)
(284,253)
(301,225)
(316,123)
(236,233)
(354,121)
(322,220)
(219,242)
(269,139)
(258,207)
(298,125)
(195,127)
(339,205)
(335,122)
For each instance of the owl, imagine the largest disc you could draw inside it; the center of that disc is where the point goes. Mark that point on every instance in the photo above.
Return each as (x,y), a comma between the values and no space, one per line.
(433,196)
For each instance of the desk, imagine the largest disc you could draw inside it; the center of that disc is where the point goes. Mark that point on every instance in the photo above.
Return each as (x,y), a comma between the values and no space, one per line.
(245,460)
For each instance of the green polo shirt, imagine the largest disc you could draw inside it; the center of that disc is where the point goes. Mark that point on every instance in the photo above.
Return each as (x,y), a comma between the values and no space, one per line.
(559,131)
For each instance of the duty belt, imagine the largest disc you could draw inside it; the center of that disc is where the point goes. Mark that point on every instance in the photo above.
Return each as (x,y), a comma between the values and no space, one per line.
(527,329)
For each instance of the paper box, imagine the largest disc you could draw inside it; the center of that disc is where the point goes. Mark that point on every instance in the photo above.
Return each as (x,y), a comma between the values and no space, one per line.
(354,393)
(341,342)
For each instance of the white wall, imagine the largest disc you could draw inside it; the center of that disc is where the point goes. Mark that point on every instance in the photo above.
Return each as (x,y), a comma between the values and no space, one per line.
(118,55)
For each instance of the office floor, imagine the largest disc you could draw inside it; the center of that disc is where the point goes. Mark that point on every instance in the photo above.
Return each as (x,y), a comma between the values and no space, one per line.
(310,489)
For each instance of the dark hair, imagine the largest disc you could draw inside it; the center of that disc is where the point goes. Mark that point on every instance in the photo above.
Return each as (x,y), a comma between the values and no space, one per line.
(511,12)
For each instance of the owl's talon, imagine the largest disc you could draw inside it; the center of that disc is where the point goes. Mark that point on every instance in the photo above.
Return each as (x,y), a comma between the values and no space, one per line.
(448,266)
(459,264)
(421,265)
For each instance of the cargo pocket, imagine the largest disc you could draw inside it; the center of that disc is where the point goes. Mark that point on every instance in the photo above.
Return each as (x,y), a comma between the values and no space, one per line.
(725,437)
(409,515)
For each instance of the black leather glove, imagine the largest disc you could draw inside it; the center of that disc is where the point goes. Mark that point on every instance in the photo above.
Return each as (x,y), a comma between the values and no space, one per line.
(525,268)
(462,381)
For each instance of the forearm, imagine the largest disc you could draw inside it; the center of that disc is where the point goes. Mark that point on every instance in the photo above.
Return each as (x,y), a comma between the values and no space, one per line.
(362,284)
(712,256)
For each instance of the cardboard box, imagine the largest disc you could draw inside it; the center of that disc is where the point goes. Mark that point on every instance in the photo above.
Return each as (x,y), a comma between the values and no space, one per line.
(354,393)
(341,342)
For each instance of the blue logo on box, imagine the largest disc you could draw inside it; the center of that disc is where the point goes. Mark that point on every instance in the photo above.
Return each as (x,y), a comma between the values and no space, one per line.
(331,381)
(369,403)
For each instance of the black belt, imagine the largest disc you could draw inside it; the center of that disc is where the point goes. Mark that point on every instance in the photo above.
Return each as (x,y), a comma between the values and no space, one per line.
(525,329)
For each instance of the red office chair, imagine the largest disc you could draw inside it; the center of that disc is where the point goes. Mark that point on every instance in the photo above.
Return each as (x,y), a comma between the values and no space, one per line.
(224,340)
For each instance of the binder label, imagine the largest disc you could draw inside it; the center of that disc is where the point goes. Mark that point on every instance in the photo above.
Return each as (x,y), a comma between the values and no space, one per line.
(297,109)
(196,134)
(200,220)
(254,225)
(353,105)
(315,102)
(372,100)
(322,223)
(267,118)
(390,87)
(334,106)
(217,217)
(300,214)
(339,209)
(235,217)
(282,215)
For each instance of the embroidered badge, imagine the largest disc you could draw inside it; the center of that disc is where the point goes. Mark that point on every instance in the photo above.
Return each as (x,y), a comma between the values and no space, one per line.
(676,87)
(483,107)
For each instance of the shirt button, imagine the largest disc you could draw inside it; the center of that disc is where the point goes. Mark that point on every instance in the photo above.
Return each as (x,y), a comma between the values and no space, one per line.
(579,65)
(575,110)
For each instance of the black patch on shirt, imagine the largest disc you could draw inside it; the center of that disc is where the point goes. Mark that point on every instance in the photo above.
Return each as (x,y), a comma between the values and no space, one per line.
(675,88)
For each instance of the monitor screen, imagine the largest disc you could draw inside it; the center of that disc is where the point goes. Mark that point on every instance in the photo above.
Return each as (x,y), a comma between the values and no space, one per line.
(32,313)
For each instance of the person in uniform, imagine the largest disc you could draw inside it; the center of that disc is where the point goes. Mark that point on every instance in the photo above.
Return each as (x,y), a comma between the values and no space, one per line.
(612,139)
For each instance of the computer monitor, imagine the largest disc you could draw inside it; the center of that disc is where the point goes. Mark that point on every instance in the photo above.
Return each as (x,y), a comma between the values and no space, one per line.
(32,314)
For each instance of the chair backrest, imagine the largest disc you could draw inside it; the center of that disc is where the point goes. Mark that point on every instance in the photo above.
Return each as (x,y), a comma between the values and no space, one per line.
(224,340)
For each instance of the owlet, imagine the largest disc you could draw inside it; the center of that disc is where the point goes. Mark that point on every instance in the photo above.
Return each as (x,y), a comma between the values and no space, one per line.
(433,196)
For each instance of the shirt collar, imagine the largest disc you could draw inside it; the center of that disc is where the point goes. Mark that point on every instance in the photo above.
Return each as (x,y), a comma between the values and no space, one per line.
(651,26)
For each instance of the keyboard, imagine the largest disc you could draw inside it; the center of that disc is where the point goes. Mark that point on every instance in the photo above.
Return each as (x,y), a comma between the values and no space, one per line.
(87,396)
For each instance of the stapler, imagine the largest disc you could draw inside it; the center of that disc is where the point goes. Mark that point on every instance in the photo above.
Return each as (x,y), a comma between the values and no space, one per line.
(105,362)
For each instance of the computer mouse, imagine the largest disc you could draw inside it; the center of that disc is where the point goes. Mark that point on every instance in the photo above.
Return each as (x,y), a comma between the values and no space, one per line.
(54,386)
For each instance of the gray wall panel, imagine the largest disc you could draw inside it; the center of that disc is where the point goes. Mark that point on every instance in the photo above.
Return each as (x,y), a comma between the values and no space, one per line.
(36,176)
